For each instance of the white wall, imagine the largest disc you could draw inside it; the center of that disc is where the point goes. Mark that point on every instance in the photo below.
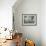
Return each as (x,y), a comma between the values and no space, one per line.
(37,33)
(43,22)
(6,13)
(28,7)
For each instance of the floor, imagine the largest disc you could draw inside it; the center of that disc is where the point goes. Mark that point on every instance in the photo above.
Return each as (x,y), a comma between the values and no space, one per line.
(9,43)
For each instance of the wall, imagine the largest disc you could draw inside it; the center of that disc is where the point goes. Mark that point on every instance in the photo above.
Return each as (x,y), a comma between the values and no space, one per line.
(28,7)
(43,22)
(6,13)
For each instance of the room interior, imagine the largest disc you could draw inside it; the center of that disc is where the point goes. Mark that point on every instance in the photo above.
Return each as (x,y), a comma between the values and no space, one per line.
(22,23)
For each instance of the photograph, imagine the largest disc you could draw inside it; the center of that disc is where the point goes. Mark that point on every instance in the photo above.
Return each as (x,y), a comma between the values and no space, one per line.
(29,19)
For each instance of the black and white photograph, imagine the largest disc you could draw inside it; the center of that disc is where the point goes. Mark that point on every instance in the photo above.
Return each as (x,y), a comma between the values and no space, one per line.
(29,19)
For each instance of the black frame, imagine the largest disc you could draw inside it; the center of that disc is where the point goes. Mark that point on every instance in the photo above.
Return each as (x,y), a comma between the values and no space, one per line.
(35,15)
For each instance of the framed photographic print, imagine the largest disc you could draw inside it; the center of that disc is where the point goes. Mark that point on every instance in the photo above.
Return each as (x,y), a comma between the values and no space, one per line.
(29,19)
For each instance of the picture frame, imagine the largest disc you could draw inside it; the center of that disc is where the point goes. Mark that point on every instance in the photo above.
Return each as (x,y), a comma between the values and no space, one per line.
(29,19)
